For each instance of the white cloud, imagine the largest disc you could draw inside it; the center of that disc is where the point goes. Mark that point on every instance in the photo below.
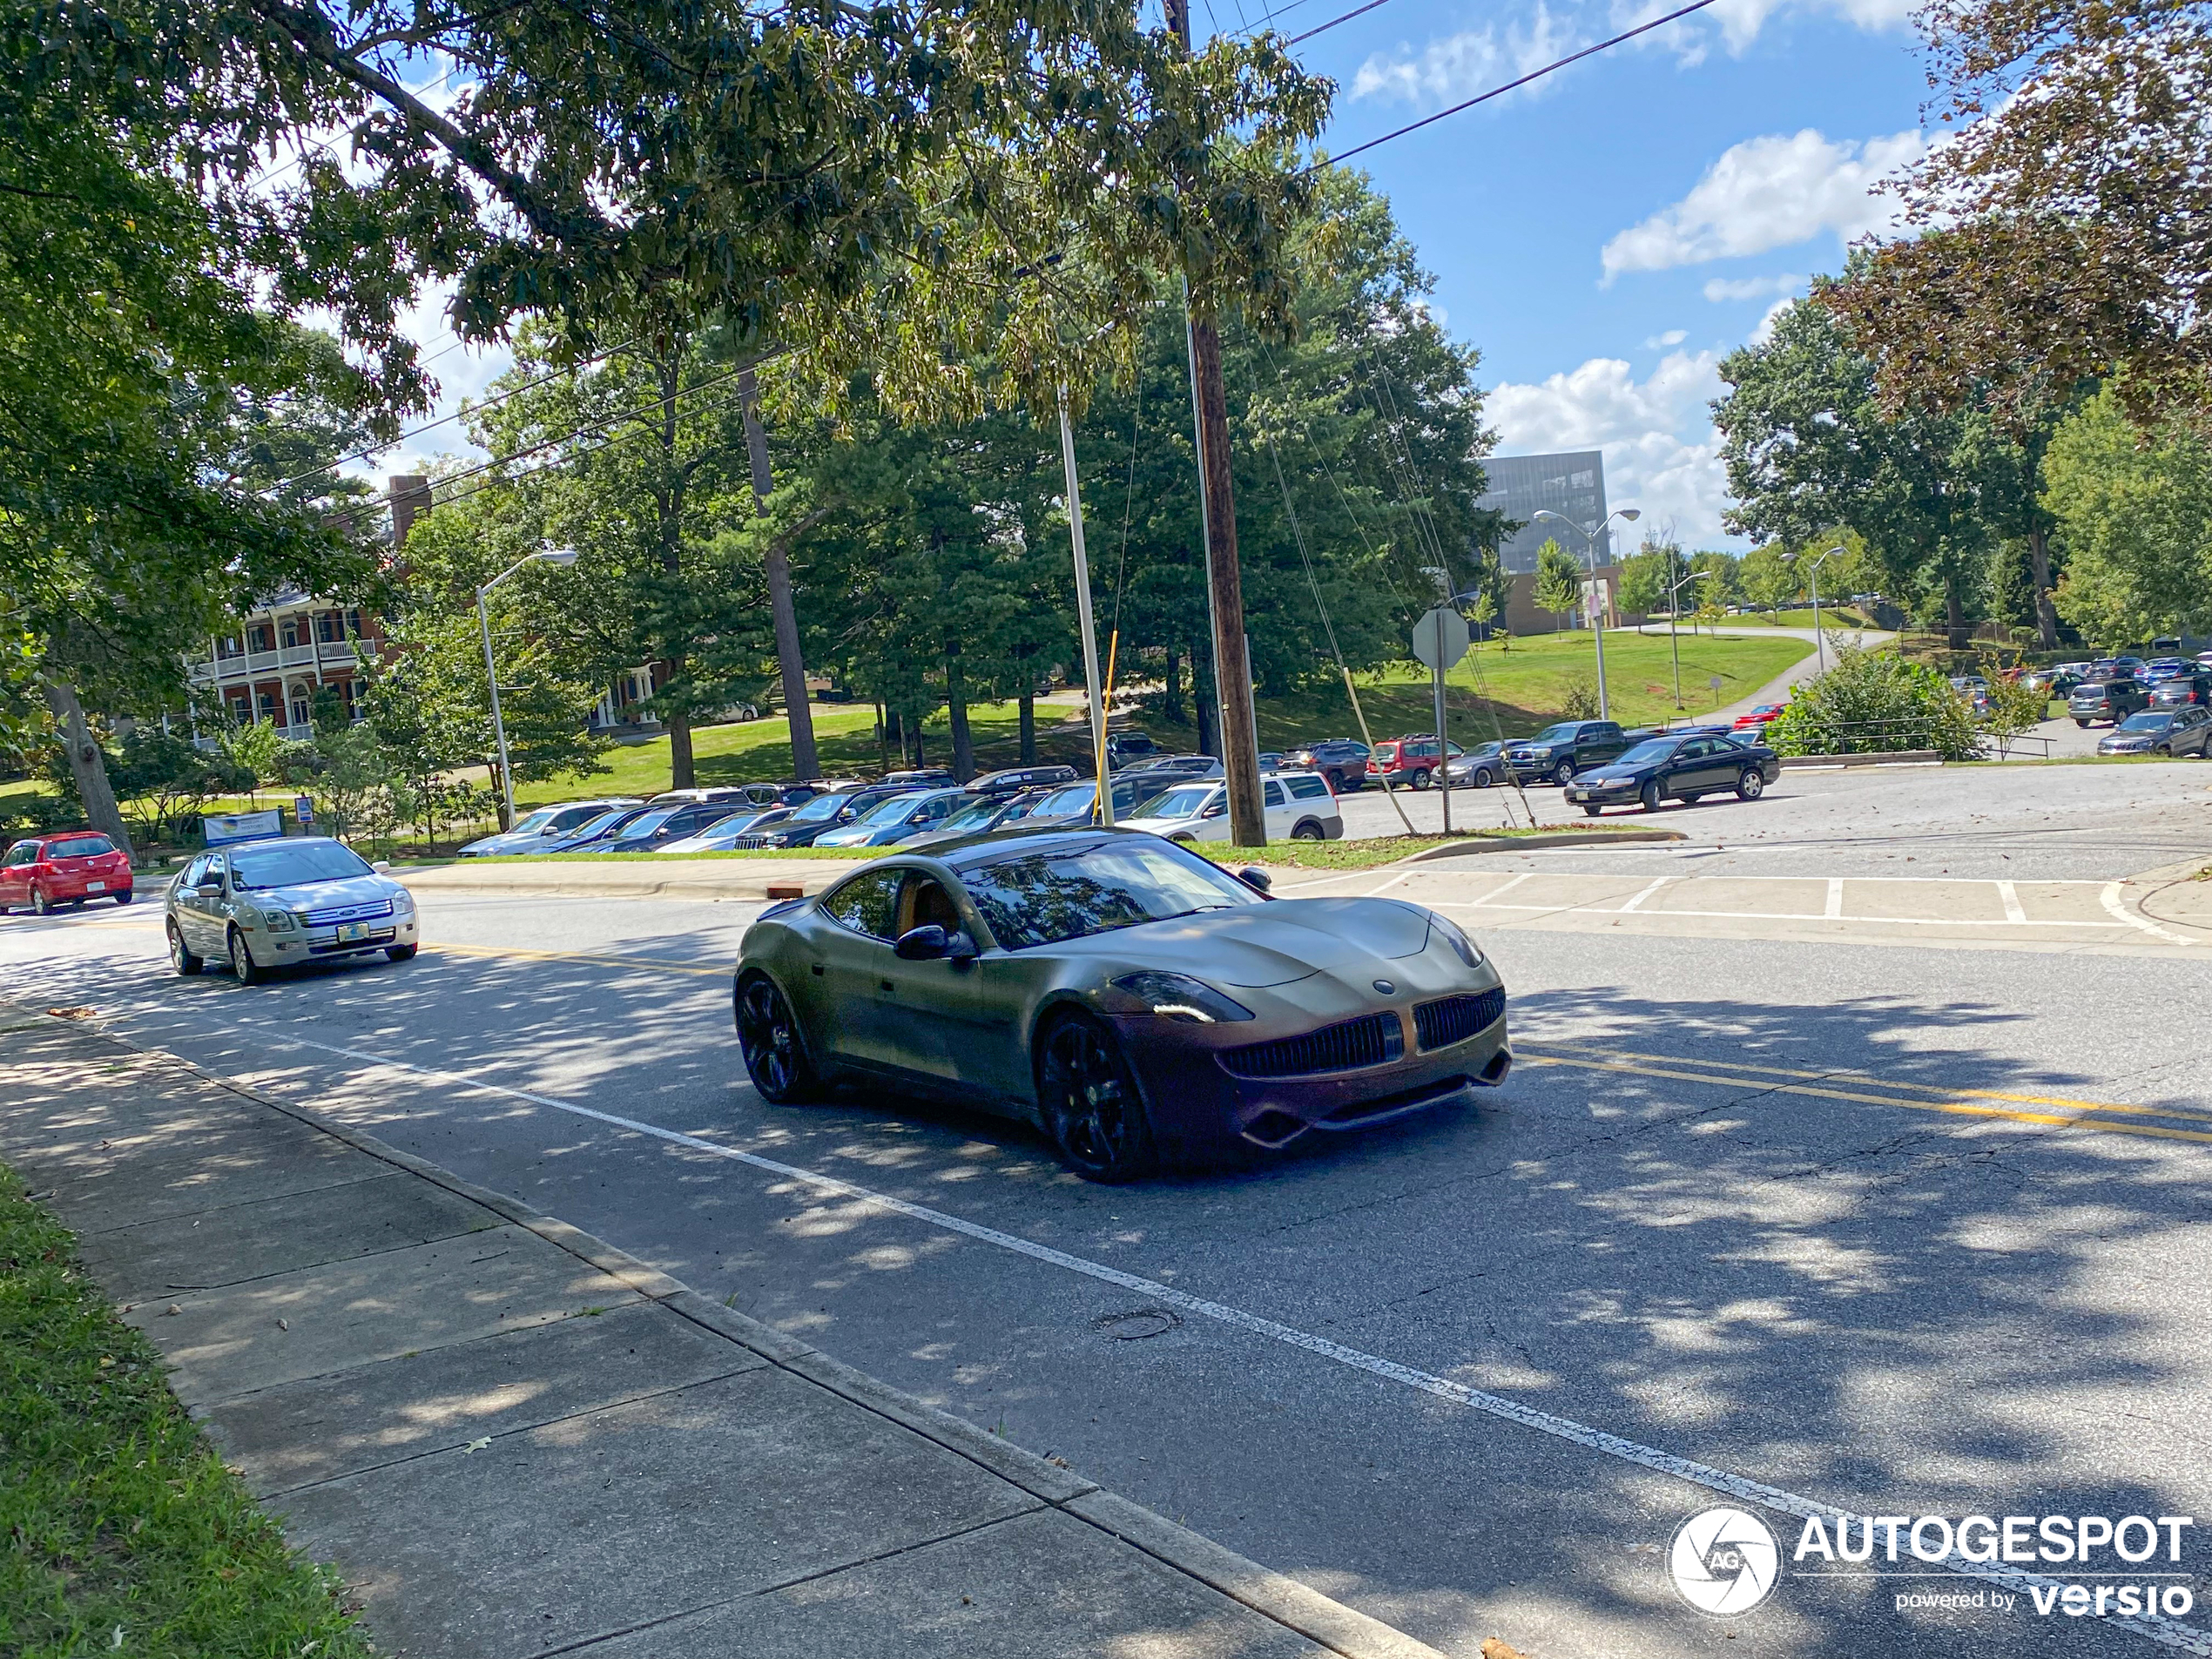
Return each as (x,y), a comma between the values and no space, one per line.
(1722,289)
(1472,61)
(1742,20)
(1770,193)
(1662,453)
(1661,342)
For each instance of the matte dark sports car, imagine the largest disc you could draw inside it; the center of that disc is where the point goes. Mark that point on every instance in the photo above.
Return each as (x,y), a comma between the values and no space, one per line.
(1677,768)
(1134,1000)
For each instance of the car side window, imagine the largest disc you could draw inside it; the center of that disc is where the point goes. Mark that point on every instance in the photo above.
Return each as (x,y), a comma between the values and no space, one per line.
(925,903)
(867,904)
(1275,796)
(194,874)
(25,853)
(1309,788)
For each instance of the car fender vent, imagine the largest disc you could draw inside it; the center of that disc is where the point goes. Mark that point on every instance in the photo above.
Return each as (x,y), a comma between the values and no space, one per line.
(1369,1040)
(1454,1018)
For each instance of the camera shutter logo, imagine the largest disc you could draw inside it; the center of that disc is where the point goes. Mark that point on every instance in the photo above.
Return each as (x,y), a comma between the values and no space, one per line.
(1724,1562)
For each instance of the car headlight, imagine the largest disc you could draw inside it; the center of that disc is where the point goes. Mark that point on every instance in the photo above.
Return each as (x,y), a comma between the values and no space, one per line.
(1450,931)
(402,903)
(1179,997)
(280,921)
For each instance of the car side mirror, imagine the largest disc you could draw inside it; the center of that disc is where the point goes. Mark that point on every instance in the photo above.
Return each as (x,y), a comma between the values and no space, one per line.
(1218,810)
(923,944)
(209,890)
(1255,877)
(382,866)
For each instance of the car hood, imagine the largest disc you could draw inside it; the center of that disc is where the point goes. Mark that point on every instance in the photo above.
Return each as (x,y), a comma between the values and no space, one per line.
(1256,946)
(343,894)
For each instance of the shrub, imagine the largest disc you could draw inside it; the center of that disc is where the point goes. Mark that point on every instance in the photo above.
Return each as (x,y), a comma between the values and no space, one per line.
(1872,702)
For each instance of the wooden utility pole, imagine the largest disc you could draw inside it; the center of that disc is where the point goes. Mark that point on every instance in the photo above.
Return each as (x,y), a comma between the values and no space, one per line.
(804,762)
(1224,580)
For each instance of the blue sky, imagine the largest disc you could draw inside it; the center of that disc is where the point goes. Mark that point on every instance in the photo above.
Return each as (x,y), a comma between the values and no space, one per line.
(1604,237)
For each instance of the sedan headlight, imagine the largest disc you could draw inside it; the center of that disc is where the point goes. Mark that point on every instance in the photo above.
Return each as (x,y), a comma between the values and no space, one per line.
(1178,997)
(402,902)
(280,921)
(1450,932)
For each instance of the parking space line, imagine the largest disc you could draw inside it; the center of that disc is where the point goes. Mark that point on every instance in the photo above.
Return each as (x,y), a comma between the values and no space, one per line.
(1636,903)
(2010,895)
(1957,1106)
(1785,915)
(2166,1632)
(1835,898)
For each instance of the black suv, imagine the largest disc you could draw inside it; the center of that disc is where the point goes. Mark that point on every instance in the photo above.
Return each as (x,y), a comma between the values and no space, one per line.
(1013,779)
(2112,700)
(1341,761)
(1559,751)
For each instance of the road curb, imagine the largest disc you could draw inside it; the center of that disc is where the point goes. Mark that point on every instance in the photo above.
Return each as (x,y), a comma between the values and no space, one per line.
(1522,843)
(1296,1605)
(2154,887)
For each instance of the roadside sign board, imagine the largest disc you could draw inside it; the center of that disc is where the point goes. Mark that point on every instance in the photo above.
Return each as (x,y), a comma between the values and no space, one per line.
(1440,638)
(222,828)
(303,808)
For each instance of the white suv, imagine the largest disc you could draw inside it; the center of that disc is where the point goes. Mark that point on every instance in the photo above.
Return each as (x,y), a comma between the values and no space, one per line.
(1298,806)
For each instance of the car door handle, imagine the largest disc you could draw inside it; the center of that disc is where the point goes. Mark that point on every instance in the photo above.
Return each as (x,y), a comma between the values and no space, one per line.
(885,984)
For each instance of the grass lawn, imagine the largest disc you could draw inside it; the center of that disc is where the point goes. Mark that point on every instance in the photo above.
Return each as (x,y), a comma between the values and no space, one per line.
(1509,691)
(126,1533)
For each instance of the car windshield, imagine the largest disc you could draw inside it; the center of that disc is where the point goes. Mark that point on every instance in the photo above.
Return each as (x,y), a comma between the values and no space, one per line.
(1644,753)
(285,867)
(604,821)
(536,820)
(1042,899)
(974,816)
(2147,722)
(646,823)
(820,807)
(1061,803)
(1183,802)
(895,809)
(1555,734)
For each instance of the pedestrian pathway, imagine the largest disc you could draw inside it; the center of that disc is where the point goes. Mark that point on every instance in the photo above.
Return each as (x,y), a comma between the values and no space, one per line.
(513,1440)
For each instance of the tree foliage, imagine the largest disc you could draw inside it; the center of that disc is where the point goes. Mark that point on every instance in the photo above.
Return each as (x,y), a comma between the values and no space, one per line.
(2134,515)
(1559,579)
(2064,225)
(1875,703)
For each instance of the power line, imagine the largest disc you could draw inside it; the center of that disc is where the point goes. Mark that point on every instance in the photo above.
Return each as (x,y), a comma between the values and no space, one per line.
(1323,28)
(1499,91)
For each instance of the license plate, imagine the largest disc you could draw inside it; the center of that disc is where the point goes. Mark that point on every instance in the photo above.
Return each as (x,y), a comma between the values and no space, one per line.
(95,886)
(354,930)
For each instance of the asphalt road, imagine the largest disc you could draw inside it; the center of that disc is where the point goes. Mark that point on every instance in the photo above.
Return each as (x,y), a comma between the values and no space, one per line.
(1900,1226)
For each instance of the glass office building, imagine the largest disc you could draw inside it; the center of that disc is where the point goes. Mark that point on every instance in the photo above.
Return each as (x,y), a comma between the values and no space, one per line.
(1572,485)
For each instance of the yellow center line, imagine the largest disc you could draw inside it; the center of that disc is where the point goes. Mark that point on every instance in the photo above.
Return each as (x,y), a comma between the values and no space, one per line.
(1928,1088)
(1957,1108)
(575,956)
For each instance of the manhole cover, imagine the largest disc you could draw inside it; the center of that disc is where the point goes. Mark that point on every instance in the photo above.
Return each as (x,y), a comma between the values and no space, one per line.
(1139,1323)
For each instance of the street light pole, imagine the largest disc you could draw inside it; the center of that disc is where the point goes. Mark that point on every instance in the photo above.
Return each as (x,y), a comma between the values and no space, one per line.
(1812,571)
(1597,615)
(1105,803)
(548,555)
(1674,606)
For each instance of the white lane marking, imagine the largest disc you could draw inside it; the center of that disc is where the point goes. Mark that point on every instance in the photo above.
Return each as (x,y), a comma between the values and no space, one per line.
(2129,919)
(1498,893)
(2166,1632)
(1636,903)
(1783,915)
(1835,898)
(2009,897)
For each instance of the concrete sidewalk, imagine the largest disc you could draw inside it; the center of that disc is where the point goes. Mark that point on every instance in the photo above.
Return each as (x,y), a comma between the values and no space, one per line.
(656,878)
(513,1440)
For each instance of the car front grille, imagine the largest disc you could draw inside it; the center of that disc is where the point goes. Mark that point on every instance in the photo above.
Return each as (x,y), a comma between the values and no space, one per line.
(381,936)
(1368,1040)
(1454,1018)
(332,917)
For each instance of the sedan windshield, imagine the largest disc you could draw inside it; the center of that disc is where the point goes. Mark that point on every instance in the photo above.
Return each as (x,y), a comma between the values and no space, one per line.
(536,820)
(605,821)
(975,816)
(1042,899)
(651,821)
(2147,722)
(820,807)
(1186,802)
(893,809)
(1645,754)
(283,867)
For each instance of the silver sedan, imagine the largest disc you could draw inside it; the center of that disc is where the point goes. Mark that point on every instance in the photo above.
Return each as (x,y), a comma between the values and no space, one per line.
(264,905)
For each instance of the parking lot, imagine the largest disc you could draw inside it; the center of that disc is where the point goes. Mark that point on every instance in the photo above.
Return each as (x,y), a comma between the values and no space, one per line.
(1855,1150)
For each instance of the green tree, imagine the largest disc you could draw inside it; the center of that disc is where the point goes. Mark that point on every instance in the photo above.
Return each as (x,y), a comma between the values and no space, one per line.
(1645,577)
(1769,580)
(2134,517)
(1559,579)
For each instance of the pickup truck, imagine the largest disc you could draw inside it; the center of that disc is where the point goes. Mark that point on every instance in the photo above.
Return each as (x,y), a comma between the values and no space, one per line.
(1559,751)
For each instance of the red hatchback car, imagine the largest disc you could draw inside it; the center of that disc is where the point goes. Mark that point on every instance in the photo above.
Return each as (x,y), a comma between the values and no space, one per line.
(67,868)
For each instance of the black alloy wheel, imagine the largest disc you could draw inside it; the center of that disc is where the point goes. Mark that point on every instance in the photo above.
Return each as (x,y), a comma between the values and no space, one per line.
(1751,784)
(1649,794)
(123,898)
(1091,1105)
(775,1051)
(1563,773)
(1591,809)
(180,956)
(1336,782)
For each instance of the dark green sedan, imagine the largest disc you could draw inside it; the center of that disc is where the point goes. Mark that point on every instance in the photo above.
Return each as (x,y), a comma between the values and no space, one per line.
(1677,768)
(1137,1002)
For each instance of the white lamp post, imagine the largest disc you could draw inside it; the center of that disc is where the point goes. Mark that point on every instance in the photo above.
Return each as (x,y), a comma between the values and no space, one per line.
(1812,570)
(548,555)
(1597,621)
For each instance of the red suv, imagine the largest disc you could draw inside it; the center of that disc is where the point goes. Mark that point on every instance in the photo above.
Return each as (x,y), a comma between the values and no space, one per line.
(1410,760)
(67,868)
